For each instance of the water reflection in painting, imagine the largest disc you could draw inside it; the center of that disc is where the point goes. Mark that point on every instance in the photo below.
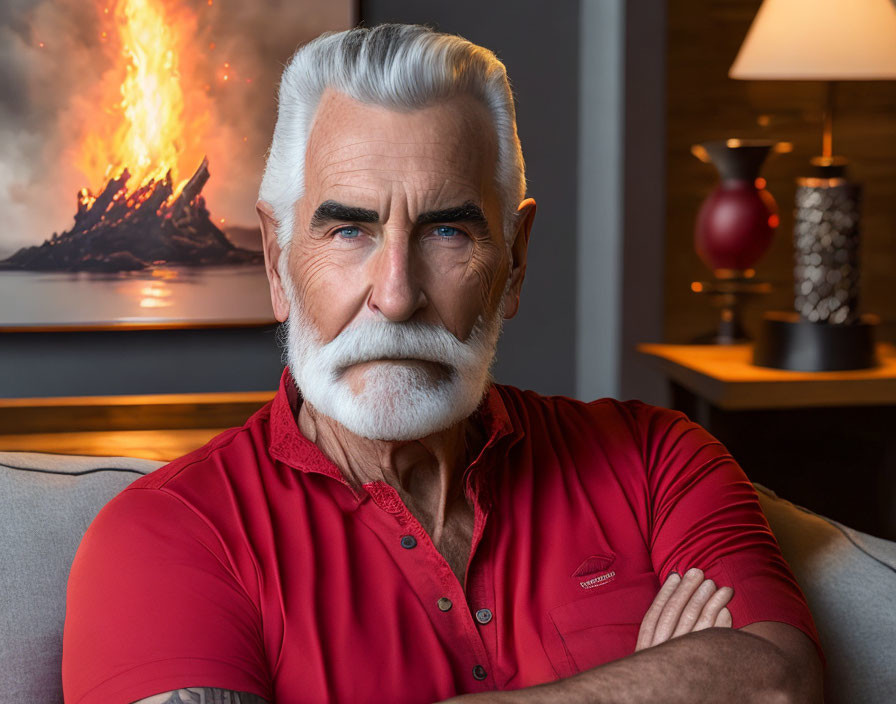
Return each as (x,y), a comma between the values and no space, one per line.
(157,295)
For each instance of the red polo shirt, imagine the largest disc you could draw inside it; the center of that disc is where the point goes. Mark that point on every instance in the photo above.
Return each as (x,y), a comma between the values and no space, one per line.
(250,565)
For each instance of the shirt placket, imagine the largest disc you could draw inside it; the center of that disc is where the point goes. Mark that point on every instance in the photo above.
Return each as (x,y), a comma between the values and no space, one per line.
(479,586)
(437,586)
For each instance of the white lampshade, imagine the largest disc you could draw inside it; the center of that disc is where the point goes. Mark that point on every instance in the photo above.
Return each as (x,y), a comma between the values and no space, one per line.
(820,40)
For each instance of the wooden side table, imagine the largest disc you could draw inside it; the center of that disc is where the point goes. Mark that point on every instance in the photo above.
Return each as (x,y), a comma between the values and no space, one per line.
(825,440)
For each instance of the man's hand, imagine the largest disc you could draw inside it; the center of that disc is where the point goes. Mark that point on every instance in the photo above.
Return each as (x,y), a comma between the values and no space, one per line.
(684,605)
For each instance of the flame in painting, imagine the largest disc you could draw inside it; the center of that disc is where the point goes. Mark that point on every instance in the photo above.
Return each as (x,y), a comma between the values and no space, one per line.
(152,99)
(143,127)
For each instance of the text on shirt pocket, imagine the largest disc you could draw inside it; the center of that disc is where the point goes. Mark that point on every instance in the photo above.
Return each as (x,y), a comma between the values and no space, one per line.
(600,627)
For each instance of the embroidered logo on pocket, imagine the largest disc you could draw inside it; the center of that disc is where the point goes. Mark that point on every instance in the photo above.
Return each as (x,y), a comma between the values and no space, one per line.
(594,571)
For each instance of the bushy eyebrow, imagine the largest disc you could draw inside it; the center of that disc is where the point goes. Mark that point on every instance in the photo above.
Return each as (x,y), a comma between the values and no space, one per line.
(468,212)
(330,211)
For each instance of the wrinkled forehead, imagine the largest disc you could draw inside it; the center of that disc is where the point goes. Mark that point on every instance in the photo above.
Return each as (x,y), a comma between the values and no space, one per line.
(450,146)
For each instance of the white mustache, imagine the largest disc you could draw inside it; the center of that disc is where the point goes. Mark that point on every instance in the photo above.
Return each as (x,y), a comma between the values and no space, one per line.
(378,340)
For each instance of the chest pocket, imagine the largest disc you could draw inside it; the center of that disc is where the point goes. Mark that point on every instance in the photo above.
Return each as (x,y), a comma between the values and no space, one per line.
(600,627)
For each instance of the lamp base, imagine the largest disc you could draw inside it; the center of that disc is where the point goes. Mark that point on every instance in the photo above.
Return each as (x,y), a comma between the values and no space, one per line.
(786,341)
(728,292)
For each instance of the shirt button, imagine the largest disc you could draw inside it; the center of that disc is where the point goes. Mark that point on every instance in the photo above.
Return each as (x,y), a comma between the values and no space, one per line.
(408,542)
(479,672)
(483,616)
(444,604)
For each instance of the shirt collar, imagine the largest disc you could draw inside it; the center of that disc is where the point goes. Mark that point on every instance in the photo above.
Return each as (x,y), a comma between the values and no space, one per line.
(291,447)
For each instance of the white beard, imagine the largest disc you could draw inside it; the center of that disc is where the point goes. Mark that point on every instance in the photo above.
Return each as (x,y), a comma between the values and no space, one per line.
(396,401)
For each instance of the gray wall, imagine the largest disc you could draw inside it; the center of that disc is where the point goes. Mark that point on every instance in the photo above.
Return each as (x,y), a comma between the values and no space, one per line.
(600,190)
(644,197)
(541,52)
(621,197)
(138,362)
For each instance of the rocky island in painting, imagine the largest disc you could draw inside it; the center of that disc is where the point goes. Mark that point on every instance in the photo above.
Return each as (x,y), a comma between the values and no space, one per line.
(120,231)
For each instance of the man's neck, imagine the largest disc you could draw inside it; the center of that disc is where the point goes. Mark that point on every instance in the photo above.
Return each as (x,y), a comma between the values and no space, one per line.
(427,473)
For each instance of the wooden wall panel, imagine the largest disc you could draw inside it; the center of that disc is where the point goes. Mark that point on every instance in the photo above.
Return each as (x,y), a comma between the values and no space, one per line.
(704,104)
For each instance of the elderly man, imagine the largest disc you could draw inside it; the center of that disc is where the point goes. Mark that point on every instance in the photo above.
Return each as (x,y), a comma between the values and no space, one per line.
(393,526)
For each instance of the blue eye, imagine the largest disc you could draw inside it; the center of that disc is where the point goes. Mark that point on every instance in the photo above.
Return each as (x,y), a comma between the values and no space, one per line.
(447,232)
(348,232)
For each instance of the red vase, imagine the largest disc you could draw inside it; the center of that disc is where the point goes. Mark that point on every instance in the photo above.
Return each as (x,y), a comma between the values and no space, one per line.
(737,220)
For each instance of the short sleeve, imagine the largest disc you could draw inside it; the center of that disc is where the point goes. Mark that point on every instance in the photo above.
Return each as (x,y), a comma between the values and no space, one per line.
(153,604)
(705,513)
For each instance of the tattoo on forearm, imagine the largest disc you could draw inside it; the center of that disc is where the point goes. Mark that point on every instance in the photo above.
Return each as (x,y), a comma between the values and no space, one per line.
(203,695)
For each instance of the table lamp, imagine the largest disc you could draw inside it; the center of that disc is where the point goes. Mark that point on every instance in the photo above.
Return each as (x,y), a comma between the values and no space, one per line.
(821,40)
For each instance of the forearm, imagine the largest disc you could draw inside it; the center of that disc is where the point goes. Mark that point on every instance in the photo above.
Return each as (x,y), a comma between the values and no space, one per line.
(733,666)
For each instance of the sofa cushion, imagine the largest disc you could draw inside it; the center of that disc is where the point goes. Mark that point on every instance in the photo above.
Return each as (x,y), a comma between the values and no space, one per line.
(849,580)
(46,503)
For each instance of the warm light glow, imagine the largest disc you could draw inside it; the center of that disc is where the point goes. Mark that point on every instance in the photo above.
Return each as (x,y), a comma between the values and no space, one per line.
(827,142)
(764,120)
(773,221)
(164,273)
(783,148)
(85,198)
(828,40)
(699,151)
(151,96)
(149,130)
(154,303)
(156,294)
(696,287)
(733,143)
(759,183)
(154,291)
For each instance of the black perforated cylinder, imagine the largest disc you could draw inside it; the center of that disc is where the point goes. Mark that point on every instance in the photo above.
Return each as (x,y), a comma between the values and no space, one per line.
(826,251)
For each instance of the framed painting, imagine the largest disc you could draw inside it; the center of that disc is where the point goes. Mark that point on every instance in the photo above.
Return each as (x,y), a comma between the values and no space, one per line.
(132,145)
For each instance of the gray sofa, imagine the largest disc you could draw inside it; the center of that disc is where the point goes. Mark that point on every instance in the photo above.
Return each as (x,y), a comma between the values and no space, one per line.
(47,502)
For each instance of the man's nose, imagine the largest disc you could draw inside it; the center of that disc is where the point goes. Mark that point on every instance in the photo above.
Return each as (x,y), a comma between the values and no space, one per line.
(395,290)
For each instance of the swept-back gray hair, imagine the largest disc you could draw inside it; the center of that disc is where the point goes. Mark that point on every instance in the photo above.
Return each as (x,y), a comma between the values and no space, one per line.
(397,66)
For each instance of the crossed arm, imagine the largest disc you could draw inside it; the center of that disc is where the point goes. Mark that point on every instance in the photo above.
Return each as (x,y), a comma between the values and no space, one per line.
(685,650)
(763,662)
(682,657)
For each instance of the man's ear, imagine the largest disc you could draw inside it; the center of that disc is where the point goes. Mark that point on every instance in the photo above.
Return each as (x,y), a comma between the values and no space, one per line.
(279,300)
(525,216)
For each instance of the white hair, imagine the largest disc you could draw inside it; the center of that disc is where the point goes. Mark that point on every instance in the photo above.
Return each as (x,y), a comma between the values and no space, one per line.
(398,66)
